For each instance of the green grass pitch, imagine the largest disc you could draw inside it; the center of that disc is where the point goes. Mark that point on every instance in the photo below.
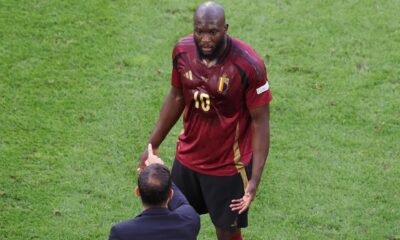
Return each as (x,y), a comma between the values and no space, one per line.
(82,82)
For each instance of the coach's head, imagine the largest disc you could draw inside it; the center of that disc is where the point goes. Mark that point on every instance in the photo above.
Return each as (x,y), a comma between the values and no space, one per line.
(154,186)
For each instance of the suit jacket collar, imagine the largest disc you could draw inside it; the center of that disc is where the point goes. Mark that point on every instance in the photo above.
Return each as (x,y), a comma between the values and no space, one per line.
(155,211)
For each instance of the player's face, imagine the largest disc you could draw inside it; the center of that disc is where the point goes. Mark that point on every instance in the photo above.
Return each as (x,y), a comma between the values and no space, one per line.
(209,35)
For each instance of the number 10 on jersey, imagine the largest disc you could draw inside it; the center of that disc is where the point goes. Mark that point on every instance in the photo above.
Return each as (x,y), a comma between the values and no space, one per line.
(203,100)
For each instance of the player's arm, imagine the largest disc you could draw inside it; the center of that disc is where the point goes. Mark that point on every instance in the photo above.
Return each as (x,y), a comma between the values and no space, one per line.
(169,115)
(260,144)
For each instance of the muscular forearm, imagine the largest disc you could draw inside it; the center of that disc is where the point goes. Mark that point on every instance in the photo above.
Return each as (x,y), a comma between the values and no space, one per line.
(260,143)
(260,151)
(169,115)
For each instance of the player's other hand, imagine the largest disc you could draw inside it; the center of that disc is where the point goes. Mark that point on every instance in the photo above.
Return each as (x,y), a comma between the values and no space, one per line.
(242,204)
(151,157)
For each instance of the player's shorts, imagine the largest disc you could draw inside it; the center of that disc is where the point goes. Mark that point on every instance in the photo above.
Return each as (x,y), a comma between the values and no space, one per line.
(213,194)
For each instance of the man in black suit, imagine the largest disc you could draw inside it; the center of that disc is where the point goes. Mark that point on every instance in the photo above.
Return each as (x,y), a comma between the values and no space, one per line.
(167,214)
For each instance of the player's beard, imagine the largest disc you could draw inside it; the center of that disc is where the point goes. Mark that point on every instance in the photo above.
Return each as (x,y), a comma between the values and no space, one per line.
(214,53)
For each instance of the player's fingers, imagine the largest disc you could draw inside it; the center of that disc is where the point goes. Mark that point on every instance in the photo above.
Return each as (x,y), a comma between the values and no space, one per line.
(246,205)
(239,209)
(150,150)
(243,209)
(235,207)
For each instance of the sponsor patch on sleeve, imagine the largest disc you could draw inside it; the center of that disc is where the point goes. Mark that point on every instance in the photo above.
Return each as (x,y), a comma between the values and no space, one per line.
(263,88)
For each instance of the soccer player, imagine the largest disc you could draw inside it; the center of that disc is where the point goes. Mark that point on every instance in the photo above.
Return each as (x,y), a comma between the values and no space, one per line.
(220,85)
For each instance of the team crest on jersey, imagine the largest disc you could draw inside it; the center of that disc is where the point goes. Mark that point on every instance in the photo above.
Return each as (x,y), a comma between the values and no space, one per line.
(223,84)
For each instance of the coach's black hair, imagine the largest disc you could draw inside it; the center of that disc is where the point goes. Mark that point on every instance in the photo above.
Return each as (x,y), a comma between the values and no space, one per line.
(154,184)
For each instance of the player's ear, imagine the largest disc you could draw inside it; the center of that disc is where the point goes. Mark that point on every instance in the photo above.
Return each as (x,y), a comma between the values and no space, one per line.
(137,191)
(226,27)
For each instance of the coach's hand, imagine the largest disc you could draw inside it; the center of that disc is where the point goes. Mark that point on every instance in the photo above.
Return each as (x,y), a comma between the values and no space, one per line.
(152,158)
(143,157)
(242,204)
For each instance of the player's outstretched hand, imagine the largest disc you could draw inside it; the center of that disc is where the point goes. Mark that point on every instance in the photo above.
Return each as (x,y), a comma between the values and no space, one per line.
(152,158)
(242,204)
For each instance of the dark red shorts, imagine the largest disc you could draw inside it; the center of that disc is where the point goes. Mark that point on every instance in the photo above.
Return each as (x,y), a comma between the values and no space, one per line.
(213,194)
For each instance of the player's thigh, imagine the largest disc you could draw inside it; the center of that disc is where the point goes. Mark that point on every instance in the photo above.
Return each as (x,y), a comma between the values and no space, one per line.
(186,180)
(218,193)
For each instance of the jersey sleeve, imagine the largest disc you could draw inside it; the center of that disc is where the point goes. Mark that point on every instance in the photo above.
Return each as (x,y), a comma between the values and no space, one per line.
(175,78)
(258,92)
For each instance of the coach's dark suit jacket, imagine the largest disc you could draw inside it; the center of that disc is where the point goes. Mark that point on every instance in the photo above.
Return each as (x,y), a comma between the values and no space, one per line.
(179,221)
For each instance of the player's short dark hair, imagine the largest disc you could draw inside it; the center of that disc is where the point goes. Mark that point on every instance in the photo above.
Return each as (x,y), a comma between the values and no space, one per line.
(154,184)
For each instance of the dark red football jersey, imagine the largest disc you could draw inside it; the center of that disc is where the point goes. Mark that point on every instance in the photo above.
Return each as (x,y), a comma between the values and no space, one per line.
(217,134)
